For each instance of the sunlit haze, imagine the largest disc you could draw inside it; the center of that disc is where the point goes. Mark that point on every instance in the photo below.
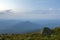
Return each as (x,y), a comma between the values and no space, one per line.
(30,9)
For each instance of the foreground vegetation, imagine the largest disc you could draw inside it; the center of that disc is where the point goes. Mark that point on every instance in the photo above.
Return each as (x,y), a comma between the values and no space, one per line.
(45,34)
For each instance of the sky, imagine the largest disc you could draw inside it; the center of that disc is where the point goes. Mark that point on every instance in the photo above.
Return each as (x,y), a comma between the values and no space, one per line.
(30,9)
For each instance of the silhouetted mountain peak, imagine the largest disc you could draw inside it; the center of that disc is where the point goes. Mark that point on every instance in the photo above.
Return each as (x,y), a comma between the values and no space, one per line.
(27,22)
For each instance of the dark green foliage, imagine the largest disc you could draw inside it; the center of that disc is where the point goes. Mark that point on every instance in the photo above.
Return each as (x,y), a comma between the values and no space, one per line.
(47,31)
(57,30)
(47,34)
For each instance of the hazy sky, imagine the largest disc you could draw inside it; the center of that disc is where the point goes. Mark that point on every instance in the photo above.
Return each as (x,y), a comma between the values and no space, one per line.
(31,9)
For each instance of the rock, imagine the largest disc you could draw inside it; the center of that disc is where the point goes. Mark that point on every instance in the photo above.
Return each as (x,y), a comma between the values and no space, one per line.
(47,31)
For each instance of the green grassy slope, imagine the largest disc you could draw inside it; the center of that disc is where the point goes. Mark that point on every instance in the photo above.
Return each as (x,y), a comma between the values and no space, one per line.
(33,36)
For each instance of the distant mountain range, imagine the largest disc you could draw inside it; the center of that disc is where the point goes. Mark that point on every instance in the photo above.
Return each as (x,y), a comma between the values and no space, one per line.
(17,26)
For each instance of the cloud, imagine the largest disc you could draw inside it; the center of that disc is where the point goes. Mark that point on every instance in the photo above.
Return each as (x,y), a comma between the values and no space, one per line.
(50,8)
(36,14)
